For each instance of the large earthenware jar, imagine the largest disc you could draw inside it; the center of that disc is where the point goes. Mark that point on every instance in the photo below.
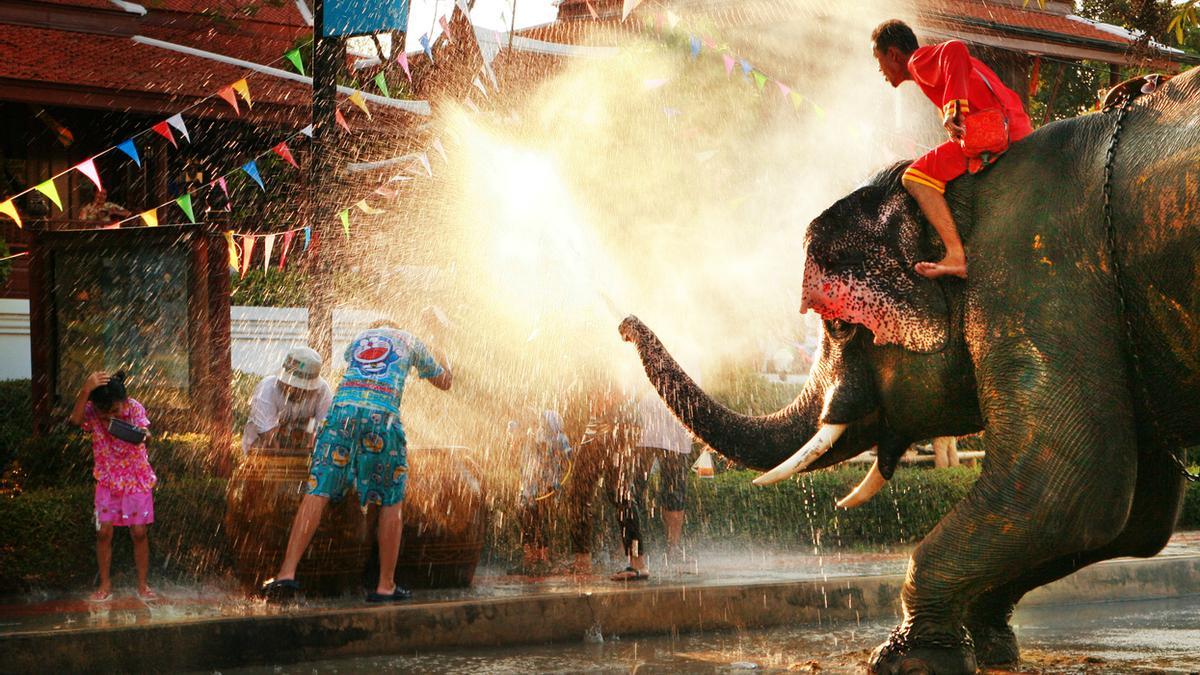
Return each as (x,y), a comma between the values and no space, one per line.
(263,496)
(444,519)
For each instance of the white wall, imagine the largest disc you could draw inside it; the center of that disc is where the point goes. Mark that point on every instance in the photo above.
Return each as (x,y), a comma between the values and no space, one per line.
(14,340)
(261,336)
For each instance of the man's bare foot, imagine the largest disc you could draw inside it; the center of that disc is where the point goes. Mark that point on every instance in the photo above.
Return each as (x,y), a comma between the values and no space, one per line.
(147,594)
(947,267)
(102,594)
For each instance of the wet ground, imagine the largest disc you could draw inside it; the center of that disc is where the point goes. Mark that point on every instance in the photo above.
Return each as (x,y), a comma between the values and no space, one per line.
(69,610)
(1118,637)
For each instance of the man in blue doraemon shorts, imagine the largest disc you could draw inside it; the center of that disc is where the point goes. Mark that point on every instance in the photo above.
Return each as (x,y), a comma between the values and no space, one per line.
(362,446)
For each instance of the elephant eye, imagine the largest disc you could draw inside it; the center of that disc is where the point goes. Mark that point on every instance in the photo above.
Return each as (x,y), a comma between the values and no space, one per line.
(839,329)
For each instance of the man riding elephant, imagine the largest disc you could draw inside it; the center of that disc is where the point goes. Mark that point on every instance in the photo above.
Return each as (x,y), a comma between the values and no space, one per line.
(1074,345)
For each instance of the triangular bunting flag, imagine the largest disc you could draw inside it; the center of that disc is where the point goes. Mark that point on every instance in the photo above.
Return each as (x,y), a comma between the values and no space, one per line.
(185,204)
(479,85)
(307,237)
(783,88)
(307,131)
(746,67)
(224,186)
(424,40)
(50,191)
(287,243)
(797,99)
(672,19)
(592,10)
(176,121)
(283,151)
(243,90)
(759,79)
(367,208)
(474,108)
(357,99)
(437,145)
(337,116)
(344,216)
(268,244)
(165,131)
(230,98)
(627,7)
(729,61)
(130,149)
(297,61)
(403,59)
(819,110)
(247,251)
(381,82)
(695,44)
(9,209)
(251,169)
(384,192)
(445,29)
(233,253)
(425,163)
(88,168)
(150,217)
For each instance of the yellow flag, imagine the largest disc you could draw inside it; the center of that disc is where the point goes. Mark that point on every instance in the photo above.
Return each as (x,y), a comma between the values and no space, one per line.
(243,90)
(50,191)
(151,217)
(357,99)
(367,208)
(233,253)
(9,210)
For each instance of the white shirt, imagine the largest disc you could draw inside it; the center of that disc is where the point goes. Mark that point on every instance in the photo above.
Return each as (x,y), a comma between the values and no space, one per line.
(660,428)
(269,410)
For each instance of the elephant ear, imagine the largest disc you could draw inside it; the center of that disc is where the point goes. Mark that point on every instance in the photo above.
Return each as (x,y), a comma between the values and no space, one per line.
(859,268)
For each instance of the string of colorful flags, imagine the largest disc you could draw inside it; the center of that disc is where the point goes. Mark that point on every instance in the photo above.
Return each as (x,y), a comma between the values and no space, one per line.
(167,128)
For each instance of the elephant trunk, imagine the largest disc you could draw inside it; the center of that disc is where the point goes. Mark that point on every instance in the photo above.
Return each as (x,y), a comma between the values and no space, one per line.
(758,442)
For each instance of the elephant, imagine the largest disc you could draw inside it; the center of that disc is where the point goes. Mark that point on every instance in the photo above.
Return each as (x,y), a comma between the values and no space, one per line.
(1072,345)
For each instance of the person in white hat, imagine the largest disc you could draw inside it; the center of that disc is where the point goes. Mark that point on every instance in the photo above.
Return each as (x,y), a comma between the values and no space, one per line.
(287,408)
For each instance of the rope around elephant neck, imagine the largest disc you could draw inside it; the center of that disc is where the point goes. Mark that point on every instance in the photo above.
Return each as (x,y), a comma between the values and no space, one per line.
(1111,234)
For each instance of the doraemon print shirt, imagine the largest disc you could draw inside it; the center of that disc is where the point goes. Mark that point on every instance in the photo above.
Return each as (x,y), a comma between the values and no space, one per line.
(379,360)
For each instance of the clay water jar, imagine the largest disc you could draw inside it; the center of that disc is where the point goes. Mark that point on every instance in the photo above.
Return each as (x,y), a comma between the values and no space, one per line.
(262,499)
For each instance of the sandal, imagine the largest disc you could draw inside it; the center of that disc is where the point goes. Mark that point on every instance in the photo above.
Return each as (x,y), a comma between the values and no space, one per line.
(395,596)
(279,587)
(98,598)
(630,574)
(148,595)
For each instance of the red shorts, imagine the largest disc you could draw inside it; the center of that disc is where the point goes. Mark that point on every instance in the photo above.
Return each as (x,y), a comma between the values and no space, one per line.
(123,509)
(938,166)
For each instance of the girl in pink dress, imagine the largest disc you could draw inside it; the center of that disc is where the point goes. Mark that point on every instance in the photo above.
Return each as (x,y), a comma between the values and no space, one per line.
(124,479)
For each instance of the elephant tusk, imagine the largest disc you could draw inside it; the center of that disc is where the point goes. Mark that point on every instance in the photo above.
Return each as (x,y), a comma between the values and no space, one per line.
(871,484)
(816,446)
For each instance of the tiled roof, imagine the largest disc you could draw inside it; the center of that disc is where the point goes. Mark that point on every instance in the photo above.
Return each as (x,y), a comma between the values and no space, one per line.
(983,14)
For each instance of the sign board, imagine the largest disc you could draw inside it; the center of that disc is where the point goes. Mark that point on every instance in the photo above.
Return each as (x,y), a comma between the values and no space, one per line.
(362,17)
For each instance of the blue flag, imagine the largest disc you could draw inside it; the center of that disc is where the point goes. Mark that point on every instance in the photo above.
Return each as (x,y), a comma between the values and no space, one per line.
(695,41)
(424,39)
(130,149)
(361,17)
(251,170)
(307,237)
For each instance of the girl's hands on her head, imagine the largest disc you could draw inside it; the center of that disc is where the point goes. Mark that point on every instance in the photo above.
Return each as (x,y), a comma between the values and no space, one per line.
(96,379)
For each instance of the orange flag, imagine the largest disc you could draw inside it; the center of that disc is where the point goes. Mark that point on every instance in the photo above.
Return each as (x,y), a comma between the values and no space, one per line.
(337,115)
(247,250)
(230,98)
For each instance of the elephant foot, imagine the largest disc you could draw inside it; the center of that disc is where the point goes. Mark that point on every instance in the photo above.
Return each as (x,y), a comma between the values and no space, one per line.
(995,645)
(904,655)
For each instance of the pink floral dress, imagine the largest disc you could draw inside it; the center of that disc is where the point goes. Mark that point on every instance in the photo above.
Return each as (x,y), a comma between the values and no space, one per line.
(124,478)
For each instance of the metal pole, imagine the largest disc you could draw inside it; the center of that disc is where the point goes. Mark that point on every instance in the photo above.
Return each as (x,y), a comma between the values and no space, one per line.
(320,171)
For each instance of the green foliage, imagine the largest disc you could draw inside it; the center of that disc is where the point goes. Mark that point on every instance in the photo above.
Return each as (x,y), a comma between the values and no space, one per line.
(47,537)
(5,265)
(1066,90)
(64,459)
(17,421)
(274,288)
(1165,21)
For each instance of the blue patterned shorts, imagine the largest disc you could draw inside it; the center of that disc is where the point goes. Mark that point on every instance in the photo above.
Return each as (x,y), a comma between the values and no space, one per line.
(360,448)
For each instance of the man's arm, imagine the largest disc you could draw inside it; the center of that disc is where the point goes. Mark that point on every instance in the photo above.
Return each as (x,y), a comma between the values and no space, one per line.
(955,63)
(263,418)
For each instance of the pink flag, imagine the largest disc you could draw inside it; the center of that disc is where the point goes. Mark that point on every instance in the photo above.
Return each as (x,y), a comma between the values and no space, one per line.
(282,151)
(728,64)
(88,168)
(403,59)
(783,88)
(224,187)
(247,249)
(230,98)
(164,130)
(445,29)
(287,243)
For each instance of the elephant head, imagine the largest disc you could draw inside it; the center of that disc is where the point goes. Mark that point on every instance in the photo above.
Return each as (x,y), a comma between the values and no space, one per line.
(892,366)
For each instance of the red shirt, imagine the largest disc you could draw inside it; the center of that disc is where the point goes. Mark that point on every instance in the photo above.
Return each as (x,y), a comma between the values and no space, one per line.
(951,77)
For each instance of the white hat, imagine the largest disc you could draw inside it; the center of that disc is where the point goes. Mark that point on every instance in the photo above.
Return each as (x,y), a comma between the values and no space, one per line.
(301,369)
